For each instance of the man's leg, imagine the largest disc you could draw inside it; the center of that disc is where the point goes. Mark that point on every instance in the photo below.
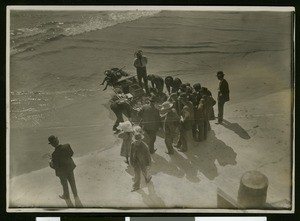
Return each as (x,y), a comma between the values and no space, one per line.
(169,142)
(146,174)
(145,79)
(64,183)
(137,177)
(119,116)
(149,140)
(220,110)
(183,138)
(139,77)
(71,180)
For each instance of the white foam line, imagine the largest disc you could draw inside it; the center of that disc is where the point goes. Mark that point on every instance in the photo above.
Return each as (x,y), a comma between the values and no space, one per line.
(151,8)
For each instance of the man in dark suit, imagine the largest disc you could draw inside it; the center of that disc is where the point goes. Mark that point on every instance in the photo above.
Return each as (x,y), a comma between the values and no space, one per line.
(150,122)
(186,122)
(63,165)
(170,124)
(223,95)
(140,159)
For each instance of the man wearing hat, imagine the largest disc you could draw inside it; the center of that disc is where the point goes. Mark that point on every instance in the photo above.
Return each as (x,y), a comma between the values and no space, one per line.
(186,122)
(170,124)
(140,63)
(140,159)
(223,95)
(63,164)
(150,122)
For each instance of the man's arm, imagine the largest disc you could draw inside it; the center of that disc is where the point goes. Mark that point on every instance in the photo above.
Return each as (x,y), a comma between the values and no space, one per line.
(69,150)
(224,87)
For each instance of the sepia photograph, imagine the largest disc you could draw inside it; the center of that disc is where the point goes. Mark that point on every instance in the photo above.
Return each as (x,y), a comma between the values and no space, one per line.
(150,109)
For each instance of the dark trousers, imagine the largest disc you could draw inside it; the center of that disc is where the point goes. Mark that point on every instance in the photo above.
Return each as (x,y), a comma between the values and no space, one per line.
(220,110)
(137,175)
(119,116)
(64,179)
(151,137)
(183,139)
(201,133)
(194,131)
(169,138)
(142,74)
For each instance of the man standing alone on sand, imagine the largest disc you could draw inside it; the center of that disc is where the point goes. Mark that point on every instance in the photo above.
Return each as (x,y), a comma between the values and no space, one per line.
(63,165)
(140,63)
(223,95)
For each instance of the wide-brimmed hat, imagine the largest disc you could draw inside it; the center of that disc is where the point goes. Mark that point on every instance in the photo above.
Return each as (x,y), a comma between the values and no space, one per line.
(138,136)
(125,126)
(51,139)
(166,106)
(220,73)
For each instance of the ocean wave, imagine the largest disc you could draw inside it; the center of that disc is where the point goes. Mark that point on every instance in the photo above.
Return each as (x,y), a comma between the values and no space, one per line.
(26,32)
(29,38)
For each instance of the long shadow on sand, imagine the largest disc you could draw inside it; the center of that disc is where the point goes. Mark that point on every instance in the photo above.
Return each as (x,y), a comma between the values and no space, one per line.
(78,203)
(235,127)
(151,199)
(200,157)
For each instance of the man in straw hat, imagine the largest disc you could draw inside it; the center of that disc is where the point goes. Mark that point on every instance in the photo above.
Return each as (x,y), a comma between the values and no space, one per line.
(63,164)
(150,122)
(140,63)
(170,124)
(140,159)
(223,95)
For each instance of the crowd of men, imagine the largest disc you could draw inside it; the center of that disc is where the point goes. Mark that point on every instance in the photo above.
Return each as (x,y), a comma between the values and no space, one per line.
(185,109)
